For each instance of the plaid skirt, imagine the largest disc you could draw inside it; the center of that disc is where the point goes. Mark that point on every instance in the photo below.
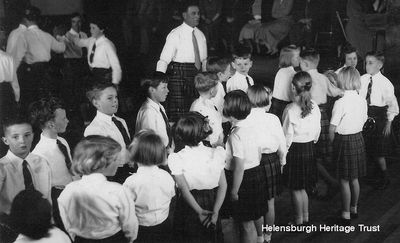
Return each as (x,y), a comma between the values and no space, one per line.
(155,234)
(272,167)
(300,172)
(253,202)
(181,88)
(277,107)
(187,225)
(376,144)
(323,147)
(116,238)
(349,154)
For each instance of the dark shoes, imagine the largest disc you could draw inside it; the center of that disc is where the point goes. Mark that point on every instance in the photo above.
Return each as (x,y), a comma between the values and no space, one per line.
(353,215)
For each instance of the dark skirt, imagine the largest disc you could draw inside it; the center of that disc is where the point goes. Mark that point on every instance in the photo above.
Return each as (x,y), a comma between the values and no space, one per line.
(187,225)
(100,75)
(349,154)
(377,145)
(277,107)
(116,238)
(181,88)
(323,147)
(300,172)
(155,234)
(272,168)
(253,202)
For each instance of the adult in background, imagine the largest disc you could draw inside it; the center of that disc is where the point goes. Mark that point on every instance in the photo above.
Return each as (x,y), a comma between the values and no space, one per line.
(184,55)
(13,37)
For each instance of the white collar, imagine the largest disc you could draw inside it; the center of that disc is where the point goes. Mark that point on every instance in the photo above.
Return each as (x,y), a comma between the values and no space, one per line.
(104,117)
(240,75)
(34,26)
(48,140)
(187,27)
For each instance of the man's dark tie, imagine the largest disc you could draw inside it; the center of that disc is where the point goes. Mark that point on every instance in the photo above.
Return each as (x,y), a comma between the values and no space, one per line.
(64,151)
(167,126)
(369,91)
(248,81)
(122,130)
(92,53)
(27,176)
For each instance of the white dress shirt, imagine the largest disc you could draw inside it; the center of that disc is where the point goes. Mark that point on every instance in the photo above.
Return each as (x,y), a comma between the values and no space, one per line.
(349,113)
(71,49)
(152,189)
(8,72)
(270,131)
(322,87)
(238,81)
(179,47)
(48,149)
(55,235)
(94,208)
(382,93)
(283,84)
(105,55)
(12,178)
(13,38)
(36,46)
(150,117)
(103,125)
(201,166)
(298,129)
(207,108)
(218,100)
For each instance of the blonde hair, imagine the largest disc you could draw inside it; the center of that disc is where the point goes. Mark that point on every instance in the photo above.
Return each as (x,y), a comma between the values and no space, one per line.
(205,81)
(349,79)
(286,56)
(302,83)
(259,95)
(94,153)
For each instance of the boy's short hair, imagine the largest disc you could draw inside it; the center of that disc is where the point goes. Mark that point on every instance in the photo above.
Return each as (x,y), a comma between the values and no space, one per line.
(32,13)
(153,81)
(94,153)
(205,81)
(43,110)
(184,6)
(218,64)
(236,105)
(378,55)
(19,117)
(147,148)
(76,14)
(191,129)
(349,79)
(241,52)
(286,55)
(347,49)
(310,54)
(100,21)
(259,95)
(31,214)
(95,91)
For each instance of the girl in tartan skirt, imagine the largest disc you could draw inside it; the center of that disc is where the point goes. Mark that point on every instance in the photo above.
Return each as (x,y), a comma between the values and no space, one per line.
(274,147)
(301,126)
(246,194)
(348,117)
(199,173)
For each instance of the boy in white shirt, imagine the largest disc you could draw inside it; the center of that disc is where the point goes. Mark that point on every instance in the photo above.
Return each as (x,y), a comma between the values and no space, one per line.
(241,79)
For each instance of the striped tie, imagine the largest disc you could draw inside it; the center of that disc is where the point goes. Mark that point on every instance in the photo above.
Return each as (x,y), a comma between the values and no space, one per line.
(369,91)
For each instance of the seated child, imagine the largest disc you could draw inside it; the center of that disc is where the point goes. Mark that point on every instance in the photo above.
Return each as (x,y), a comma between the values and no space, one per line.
(241,63)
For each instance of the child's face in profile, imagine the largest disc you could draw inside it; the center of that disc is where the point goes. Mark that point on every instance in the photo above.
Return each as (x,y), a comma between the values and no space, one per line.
(107,102)
(242,65)
(60,120)
(351,59)
(225,75)
(160,93)
(19,138)
(372,65)
(296,58)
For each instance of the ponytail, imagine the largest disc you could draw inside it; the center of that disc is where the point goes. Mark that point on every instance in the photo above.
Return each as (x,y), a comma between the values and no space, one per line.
(302,82)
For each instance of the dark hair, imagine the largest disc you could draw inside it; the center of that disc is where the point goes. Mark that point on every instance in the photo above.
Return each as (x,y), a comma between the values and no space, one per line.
(43,110)
(153,81)
(286,55)
(184,6)
(32,13)
(302,83)
(31,214)
(236,105)
(15,118)
(258,95)
(147,148)
(347,49)
(99,21)
(241,52)
(218,64)
(95,90)
(191,129)
(310,54)
(76,14)
(205,81)
(377,54)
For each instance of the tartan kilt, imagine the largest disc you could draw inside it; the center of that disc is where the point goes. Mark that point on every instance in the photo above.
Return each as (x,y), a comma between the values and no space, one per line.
(116,238)
(181,88)
(277,107)
(300,172)
(349,154)
(323,147)
(272,167)
(187,225)
(252,203)
(376,144)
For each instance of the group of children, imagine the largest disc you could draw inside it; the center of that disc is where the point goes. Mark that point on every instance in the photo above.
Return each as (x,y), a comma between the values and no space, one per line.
(230,156)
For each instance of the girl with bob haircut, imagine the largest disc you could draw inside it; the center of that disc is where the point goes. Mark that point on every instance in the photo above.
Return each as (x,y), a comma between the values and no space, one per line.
(273,147)
(348,117)
(247,199)
(31,216)
(198,171)
(289,59)
(152,188)
(84,202)
(301,126)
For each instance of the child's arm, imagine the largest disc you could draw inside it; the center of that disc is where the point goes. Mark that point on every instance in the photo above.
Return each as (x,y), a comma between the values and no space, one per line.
(287,128)
(220,197)
(127,215)
(332,129)
(114,63)
(393,109)
(238,171)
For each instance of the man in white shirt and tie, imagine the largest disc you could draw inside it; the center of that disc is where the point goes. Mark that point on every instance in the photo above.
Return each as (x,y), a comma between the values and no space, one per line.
(184,55)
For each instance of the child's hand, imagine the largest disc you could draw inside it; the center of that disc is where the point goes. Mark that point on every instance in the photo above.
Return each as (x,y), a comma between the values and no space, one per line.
(234,196)
(214,218)
(204,217)
(388,128)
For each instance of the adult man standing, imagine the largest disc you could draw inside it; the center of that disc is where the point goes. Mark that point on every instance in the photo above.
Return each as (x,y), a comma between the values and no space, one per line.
(13,38)
(184,54)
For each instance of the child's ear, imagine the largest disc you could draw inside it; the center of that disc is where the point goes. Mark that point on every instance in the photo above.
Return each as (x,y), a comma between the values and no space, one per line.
(5,141)
(95,103)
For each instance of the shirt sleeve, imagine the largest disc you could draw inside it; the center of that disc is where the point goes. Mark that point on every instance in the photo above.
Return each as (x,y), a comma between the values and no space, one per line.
(317,122)
(176,164)
(114,63)
(337,113)
(167,53)
(57,46)
(287,128)
(237,146)
(127,215)
(21,48)
(391,102)
(63,208)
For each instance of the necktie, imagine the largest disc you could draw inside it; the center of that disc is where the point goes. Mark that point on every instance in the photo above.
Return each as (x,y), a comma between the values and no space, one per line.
(248,81)
(92,53)
(167,126)
(215,108)
(64,151)
(369,91)
(197,61)
(122,130)
(27,176)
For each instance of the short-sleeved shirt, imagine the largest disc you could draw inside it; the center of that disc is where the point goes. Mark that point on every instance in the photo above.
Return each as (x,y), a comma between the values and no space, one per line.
(283,83)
